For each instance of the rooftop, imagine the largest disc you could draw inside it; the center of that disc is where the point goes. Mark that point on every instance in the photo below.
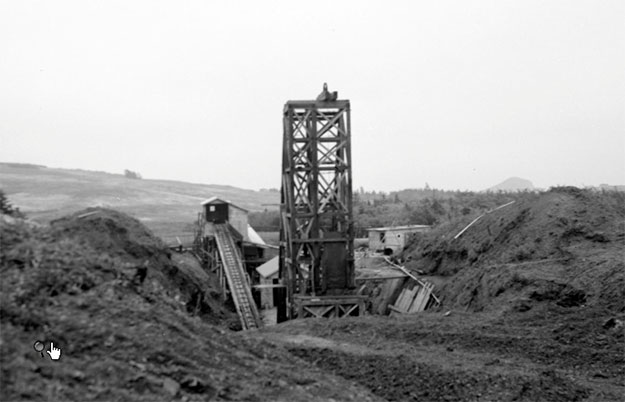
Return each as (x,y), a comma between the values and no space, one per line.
(269,268)
(217,200)
(401,228)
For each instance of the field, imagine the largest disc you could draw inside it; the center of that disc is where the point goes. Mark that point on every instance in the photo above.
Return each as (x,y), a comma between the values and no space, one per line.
(168,208)
(532,309)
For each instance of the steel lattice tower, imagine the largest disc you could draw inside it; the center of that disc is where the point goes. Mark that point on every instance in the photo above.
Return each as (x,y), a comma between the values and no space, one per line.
(317,252)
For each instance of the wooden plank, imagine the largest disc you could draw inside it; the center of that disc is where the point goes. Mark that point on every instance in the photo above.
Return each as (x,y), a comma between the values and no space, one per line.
(267,286)
(468,226)
(395,306)
(479,217)
(318,312)
(416,306)
(400,300)
(417,301)
(381,302)
(397,310)
(397,300)
(404,270)
(347,311)
(409,298)
(425,298)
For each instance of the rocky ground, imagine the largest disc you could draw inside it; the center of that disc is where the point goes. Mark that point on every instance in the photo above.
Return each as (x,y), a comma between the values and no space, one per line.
(533,309)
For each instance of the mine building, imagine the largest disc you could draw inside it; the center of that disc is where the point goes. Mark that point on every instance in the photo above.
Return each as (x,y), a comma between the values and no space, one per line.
(222,219)
(217,210)
(393,239)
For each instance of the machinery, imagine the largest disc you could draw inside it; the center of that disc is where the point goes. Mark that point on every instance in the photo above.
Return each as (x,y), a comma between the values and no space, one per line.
(316,228)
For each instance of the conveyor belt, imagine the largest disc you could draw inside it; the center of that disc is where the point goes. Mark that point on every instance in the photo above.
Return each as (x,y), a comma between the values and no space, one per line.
(237,278)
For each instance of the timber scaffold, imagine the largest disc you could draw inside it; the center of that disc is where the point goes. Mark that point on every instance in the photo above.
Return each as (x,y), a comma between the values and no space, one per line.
(316,226)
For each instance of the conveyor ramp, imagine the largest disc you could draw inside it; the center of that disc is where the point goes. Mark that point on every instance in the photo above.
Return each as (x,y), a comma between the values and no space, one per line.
(237,278)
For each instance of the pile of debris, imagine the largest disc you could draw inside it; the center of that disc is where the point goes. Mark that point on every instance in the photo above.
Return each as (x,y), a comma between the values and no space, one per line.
(131,324)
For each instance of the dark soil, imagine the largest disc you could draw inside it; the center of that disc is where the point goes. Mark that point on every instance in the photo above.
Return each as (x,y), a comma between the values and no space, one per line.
(551,356)
(126,332)
(400,378)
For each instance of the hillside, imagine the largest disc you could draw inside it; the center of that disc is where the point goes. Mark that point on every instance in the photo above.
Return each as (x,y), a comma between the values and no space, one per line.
(167,207)
(512,184)
(564,245)
(125,334)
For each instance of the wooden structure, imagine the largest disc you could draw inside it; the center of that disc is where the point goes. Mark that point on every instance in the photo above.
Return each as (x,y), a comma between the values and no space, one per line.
(218,211)
(414,300)
(393,239)
(228,245)
(238,281)
(316,229)
(329,306)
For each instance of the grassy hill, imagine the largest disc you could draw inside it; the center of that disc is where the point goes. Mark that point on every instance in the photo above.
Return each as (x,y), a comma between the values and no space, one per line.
(167,207)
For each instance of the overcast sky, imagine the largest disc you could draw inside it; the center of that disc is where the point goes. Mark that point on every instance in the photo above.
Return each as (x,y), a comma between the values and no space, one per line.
(458,94)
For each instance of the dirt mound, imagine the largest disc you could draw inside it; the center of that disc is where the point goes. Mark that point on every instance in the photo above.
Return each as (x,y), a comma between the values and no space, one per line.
(127,330)
(121,238)
(110,231)
(563,246)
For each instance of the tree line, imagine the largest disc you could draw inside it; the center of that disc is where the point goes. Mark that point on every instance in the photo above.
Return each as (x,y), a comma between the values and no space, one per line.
(424,206)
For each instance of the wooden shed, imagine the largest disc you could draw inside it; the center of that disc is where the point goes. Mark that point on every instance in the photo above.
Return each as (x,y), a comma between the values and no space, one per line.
(217,210)
(393,239)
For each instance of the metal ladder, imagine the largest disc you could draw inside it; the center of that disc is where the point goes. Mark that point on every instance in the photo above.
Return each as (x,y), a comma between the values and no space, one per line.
(237,278)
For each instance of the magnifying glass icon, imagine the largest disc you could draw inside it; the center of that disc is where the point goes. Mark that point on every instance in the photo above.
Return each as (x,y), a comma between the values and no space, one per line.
(39,347)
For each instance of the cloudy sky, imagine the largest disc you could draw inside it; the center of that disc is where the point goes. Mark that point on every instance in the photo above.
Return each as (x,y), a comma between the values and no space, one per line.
(458,94)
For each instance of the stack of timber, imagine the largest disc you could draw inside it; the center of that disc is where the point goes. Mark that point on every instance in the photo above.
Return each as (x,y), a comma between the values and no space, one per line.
(237,278)
(414,300)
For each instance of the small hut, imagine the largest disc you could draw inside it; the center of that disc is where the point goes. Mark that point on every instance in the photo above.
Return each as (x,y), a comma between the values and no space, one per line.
(393,239)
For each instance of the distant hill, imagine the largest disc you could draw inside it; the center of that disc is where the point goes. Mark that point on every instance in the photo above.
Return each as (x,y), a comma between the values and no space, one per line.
(512,184)
(167,207)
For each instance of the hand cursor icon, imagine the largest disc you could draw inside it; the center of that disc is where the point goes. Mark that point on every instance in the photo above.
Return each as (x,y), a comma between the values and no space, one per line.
(55,353)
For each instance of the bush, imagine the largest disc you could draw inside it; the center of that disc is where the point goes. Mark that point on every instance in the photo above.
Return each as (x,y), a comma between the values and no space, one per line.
(8,209)
(131,175)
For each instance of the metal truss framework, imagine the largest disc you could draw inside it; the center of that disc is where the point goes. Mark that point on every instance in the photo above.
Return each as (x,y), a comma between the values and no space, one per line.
(316,198)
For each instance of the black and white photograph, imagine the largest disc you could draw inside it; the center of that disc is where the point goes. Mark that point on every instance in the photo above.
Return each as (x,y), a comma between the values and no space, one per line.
(354,201)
